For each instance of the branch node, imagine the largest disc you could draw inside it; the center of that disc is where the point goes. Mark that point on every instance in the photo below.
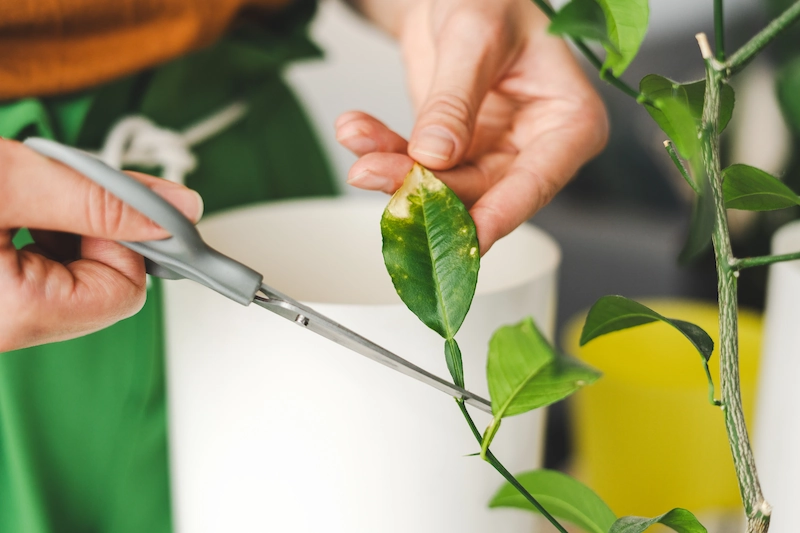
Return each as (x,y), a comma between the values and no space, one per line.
(705,48)
(764,508)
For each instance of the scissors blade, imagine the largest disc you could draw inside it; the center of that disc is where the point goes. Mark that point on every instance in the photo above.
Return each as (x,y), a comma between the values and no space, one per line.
(321,325)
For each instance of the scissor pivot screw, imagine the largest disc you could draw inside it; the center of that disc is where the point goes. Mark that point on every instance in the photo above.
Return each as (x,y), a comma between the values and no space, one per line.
(302,320)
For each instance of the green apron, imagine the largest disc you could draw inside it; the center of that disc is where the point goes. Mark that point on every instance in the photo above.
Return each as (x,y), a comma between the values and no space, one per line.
(83,435)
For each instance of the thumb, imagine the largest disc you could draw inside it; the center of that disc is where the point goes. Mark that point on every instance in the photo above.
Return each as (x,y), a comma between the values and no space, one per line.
(468,61)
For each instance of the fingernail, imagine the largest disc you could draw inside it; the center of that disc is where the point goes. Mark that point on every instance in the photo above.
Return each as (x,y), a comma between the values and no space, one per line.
(188,202)
(374,182)
(435,142)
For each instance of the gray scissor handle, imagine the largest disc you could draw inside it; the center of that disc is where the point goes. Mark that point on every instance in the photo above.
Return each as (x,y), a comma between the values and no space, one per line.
(184,254)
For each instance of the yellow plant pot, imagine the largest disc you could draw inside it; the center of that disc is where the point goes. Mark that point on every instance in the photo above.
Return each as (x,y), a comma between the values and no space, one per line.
(646,437)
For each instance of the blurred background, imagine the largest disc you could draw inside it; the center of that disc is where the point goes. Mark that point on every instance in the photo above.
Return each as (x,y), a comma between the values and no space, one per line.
(622,222)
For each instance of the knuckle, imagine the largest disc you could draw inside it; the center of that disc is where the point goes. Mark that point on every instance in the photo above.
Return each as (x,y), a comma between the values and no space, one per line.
(106,214)
(590,115)
(453,106)
(544,188)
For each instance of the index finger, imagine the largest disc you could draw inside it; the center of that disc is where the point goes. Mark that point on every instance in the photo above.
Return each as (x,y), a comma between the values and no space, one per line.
(39,193)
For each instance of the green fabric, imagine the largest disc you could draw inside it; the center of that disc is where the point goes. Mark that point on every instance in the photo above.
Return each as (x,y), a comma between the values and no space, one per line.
(83,442)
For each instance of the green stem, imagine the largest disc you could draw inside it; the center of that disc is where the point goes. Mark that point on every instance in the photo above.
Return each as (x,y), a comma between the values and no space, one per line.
(756,508)
(682,169)
(747,262)
(719,30)
(752,47)
(593,59)
(492,460)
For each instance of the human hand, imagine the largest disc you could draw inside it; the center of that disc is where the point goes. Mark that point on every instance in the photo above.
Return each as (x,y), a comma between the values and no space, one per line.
(504,113)
(63,287)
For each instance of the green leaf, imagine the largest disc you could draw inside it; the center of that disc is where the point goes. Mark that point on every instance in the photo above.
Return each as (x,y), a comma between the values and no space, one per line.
(695,94)
(430,248)
(670,109)
(562,496)
(789,92)
(525,372)
(581,19)
(679,520)
(702,223)
(613,313)
(626,22)
(656,87)
(751,189)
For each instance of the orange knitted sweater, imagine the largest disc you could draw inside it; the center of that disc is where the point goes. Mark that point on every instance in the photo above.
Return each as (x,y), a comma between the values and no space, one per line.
(51,47)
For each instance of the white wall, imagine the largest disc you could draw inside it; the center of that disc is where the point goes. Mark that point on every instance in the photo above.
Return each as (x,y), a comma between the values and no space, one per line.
(362,71)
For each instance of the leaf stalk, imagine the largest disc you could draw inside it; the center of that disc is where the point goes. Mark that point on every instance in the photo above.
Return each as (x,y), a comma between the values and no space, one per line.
(497,465)
(748,262)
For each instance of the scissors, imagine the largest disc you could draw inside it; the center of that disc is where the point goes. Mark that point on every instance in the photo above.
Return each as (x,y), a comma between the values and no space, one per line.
(186,255)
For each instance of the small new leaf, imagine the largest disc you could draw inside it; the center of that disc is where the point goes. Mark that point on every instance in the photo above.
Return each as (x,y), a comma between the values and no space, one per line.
(562,496)
(613,313)
(679,520)
(582,19)
(430,248)
(748,188)
(626,23)
(525,373)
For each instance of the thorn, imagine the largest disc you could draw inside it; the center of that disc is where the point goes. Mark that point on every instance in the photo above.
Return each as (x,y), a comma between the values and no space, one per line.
(666,144)
(705,48)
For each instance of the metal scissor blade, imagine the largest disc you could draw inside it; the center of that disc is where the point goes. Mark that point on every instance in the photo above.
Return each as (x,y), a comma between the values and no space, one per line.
(308,318)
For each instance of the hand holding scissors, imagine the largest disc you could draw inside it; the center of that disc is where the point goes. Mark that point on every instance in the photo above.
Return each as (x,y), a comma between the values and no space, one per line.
(185,255)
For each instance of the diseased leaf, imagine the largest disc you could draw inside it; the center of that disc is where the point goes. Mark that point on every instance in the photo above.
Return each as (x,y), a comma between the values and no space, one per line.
(751,189)
(613,313)
(679,520)
(626,22)
(430,248)
(525,372)
(582,19)
(562,496)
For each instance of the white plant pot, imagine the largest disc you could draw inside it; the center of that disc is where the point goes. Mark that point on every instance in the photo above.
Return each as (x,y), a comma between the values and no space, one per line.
(273,429)
(777,428)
